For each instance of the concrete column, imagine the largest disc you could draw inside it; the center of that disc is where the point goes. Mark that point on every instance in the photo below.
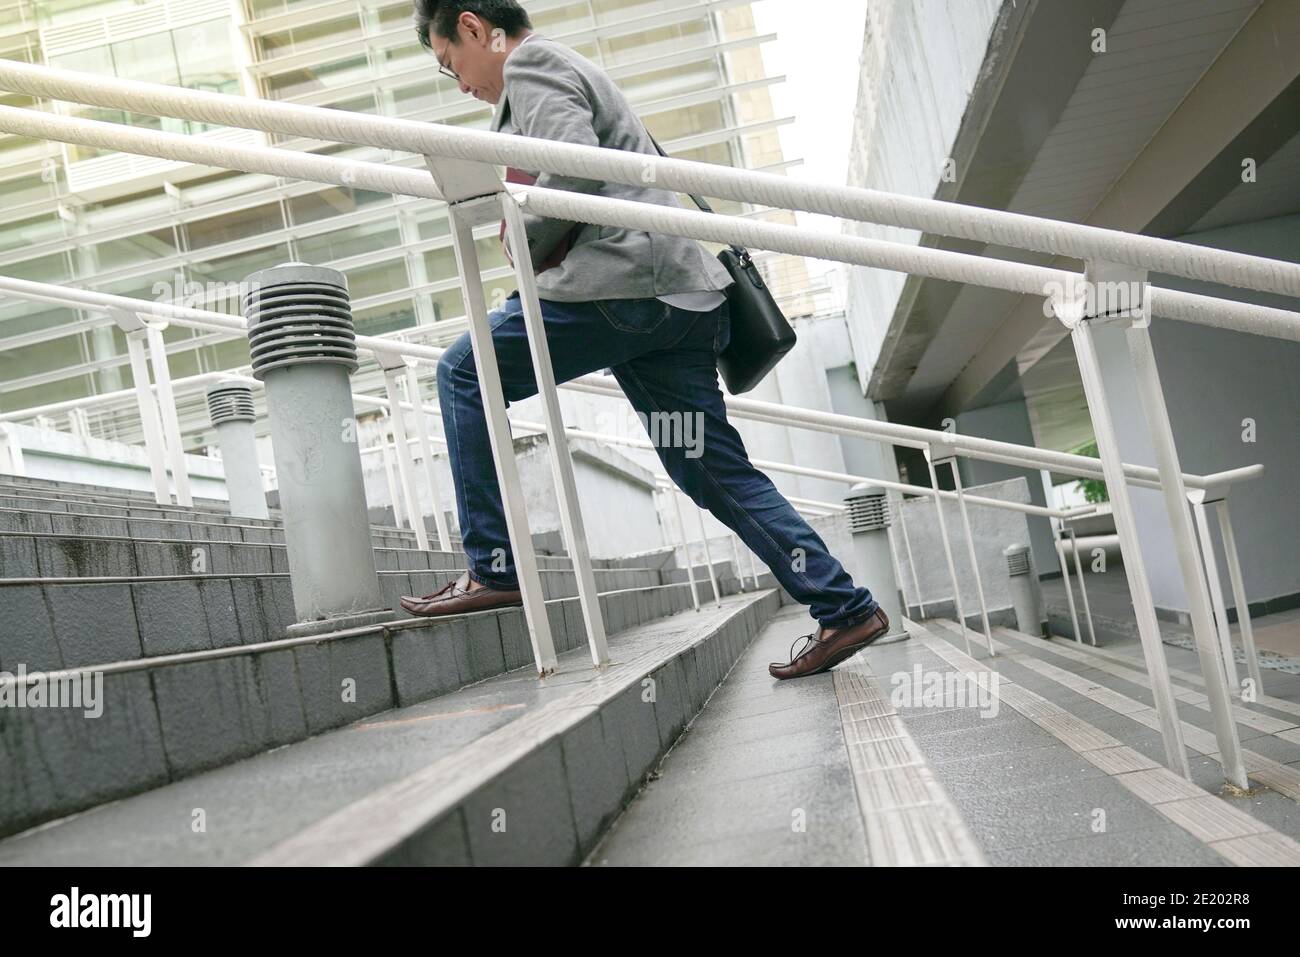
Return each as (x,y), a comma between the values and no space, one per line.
(1009,422)
(231,407)
(861,456)
(1026,592)
(801,378)
(303,347)
(766,441)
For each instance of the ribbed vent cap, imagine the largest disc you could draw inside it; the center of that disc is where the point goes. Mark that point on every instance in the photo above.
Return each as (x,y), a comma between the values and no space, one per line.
(298,314)
(868,508)
(1017,559)
(231,402)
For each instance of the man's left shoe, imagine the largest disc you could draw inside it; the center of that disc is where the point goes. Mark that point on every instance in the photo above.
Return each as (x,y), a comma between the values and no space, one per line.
(456,598)
(829,646)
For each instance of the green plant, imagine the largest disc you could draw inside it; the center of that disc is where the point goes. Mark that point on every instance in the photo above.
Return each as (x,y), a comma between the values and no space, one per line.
(1094,490)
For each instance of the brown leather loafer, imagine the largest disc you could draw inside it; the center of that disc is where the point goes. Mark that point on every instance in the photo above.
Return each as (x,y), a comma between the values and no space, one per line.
(456,598)
(828,647)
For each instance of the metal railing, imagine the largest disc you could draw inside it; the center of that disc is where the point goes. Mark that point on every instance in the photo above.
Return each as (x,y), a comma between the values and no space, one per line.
(462,175)
(405,499)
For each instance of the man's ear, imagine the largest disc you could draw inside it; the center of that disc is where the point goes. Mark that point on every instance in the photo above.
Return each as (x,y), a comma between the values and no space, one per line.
(473,27)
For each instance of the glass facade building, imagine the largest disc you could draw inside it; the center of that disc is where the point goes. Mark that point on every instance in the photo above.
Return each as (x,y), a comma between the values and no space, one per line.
(149,228)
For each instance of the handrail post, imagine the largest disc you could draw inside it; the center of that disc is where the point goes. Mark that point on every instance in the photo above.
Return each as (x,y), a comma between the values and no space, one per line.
(386,456)
(951,459)
(893,548)
(947,549)
(463,216)
(167,406)
(735,557)
(1059,539)
(1197,499)
(1213,668)
(154,446)
(686,545)
(566,487)
(1083,586)
(11,452)
(708,558)
(412,384)
(1239,592)
(911,560)
(1074,314)
(391,365)
(1212,577)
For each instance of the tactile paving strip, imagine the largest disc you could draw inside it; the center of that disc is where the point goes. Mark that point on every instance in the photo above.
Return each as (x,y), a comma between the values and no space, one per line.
(909,818)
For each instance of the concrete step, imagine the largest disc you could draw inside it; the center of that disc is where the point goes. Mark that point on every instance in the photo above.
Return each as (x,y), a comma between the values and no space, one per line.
(79,506)
(50,555)
(505,770)
(91,502)
(90,556)
(107,492)
(1050,766)
(77,622)
(128,526)
(726,574)
(57,510)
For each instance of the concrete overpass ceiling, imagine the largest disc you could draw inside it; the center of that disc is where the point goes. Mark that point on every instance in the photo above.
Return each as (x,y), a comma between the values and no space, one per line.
(1117,105)
(1053,394)
(1275,193)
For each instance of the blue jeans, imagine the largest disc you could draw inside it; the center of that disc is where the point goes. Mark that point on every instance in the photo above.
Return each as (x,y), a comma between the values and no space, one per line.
(665,359)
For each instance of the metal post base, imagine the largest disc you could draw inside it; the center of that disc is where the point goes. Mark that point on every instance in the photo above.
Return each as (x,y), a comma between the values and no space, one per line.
(327,626)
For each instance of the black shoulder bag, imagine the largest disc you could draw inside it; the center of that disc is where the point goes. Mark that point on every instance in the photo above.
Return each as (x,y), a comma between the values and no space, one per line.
(760,333)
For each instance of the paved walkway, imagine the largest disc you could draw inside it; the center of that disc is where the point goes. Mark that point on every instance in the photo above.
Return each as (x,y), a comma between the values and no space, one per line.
(760,777)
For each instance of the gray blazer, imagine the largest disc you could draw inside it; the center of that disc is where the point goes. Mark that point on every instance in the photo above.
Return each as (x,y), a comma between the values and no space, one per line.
(555,93)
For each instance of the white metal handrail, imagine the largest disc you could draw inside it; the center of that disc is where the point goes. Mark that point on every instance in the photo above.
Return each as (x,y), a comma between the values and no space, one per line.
(594,163)
(902,257)
(783,415)
(892,433)
(906,436)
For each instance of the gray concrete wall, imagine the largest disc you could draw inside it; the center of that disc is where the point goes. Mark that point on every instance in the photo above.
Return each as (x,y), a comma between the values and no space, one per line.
(801,376)
(616,496)
(994,529)
(861,456)
(920,62)
(615,492)
(1213,381)
(52,454)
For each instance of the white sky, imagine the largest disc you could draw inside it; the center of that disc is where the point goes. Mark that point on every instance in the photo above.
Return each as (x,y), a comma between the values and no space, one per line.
(818,55)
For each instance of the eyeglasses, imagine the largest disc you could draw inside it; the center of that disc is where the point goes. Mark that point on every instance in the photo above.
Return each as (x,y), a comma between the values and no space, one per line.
(446,71)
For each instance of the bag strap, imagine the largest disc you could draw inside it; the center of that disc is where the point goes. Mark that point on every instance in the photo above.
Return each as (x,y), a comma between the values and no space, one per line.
(740,251)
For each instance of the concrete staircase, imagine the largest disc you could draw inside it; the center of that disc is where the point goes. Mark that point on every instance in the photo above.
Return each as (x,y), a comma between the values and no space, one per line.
(423,741)
(180,613)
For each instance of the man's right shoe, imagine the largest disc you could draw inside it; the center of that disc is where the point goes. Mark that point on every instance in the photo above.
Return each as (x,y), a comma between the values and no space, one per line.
(828,647)
(458,598)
